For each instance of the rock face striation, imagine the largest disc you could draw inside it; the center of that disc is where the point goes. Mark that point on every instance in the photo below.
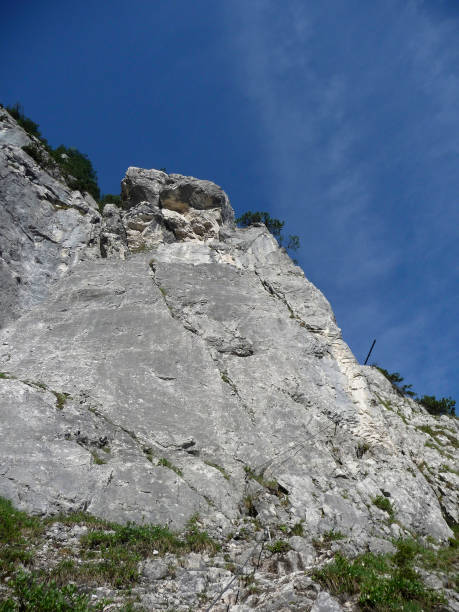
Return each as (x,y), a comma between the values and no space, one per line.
(158,362)
(45,228)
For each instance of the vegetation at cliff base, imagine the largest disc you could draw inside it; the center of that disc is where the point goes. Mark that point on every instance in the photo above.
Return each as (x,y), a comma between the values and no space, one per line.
(391,581)
(108,555)
(31,595)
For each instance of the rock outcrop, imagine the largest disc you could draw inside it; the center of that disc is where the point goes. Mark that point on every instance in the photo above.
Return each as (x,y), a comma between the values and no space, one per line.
(167,363)
(45,227)
(170,207)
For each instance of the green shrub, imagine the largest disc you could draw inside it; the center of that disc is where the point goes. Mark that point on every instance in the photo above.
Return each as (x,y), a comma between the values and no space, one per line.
(109,198)
(396,381)
(197,540)
(279,546)
(33,595)
(445,405)
(77,169)
(383,503)
(274,226)
(249,218)
(38,154)
(14,527)
(17,112)
(110,554)
(61,398)
(381,582)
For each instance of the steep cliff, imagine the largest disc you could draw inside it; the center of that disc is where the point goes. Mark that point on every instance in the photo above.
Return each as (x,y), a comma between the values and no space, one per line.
(159,362)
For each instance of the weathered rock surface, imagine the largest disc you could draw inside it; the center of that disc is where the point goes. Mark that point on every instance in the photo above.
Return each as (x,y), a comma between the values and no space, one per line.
(168,207)
(45,227)
(202,372)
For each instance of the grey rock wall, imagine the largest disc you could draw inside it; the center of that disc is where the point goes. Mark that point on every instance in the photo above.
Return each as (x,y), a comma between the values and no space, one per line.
(157,371)
(45,227)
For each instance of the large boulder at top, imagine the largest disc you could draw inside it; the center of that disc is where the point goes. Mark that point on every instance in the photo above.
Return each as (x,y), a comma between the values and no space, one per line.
(174,192)
(167,207)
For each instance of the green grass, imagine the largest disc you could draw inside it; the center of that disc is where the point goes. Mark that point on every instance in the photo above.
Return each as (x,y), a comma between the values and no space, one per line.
(434,433)
(196,540)
(166,463)
(32,595)
(109,555)
(279,547)
(61,398)
(381,582)
(116,566)
(36,383)
(332,535)
(297,529)
(122,550)
(97,460)
(328,536)
(445,559)
(452,439)
(383,503)
(361,449)
(219,468)
(445,468)
(428,430)
(272,485)
(386,403)
(225,378)
(17,529)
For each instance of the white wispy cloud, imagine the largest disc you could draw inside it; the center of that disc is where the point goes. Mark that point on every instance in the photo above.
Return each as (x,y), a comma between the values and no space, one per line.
(358,107)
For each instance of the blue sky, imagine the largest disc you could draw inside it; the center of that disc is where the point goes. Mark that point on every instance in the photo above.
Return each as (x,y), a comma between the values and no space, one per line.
(340,117)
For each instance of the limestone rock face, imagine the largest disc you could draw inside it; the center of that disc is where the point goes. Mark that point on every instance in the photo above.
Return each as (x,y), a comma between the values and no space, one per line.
(45,227)
(167,363)
(168,207)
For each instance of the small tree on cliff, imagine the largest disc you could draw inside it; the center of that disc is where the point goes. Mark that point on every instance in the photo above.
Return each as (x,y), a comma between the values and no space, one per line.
(274,226)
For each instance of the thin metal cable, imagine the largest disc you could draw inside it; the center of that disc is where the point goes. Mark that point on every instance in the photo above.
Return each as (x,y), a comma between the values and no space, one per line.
(239,572)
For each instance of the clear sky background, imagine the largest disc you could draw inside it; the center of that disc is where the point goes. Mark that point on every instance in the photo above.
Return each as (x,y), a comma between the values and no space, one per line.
(341,117)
